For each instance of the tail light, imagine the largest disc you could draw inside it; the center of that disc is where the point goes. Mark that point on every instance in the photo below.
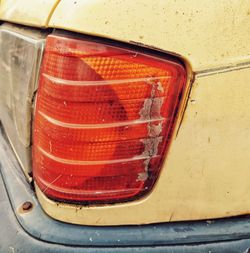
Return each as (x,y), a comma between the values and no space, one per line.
(103,120)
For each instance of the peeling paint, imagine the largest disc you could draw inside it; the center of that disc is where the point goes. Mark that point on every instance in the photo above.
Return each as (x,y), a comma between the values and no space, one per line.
(154,129)
(146,109)
(151,150)
(151,109)
(156,107)
(143,176)
(160,87)
(151,146)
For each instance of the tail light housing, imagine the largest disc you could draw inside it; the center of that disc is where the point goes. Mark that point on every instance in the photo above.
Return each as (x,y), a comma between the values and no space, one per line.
(103,120)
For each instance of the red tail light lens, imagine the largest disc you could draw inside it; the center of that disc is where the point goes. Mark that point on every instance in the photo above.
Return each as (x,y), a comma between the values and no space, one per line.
(103,120)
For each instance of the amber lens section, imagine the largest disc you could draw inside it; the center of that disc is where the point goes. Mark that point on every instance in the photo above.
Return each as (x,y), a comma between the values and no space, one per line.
(103,120)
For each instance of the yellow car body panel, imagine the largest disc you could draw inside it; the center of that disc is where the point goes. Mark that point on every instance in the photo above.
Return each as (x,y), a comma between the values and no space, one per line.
(206,172)
(206,33)
(28,12)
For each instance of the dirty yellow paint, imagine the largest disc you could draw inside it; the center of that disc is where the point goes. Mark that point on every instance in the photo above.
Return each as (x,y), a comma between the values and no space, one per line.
(206,173)
(206,33)
(28,12)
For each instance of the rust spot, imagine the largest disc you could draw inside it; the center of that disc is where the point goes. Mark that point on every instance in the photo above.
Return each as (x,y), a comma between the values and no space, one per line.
(25,207)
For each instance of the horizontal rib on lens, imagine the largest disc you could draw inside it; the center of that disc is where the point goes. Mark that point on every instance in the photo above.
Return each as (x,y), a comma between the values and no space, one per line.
(92,168)
(96,150)
(82,91)
(74,174)
(102,112)
(95,133)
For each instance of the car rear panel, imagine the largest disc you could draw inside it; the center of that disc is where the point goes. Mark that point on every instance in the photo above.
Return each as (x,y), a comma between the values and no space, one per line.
(203,176)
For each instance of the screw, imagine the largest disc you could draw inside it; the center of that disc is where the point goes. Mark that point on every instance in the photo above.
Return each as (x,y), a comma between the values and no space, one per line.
(26,206)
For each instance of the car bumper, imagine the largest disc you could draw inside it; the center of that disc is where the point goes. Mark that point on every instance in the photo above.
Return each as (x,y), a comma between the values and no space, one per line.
(34,231)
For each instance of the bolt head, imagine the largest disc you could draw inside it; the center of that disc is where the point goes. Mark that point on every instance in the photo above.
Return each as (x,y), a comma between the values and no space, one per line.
(26,206)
